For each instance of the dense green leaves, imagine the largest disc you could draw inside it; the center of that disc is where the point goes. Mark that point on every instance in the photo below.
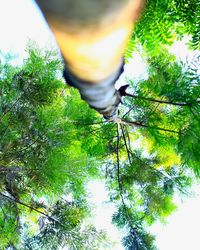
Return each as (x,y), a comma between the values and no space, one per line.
(64,229)
(53,144)
(43,151)
(163,22)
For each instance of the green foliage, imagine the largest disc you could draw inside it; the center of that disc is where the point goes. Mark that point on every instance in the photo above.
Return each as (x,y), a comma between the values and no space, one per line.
(65,228)
(156,147)
(43,150)
(52,144)
(163,22)
(169,100)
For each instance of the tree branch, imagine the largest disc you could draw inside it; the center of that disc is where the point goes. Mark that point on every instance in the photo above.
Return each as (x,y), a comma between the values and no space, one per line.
(152,110)
(118,169)
(125,142)
(140,124)
(164,102)
(30,207)
(88,124)
(128,136)
(133,229)
(9,109)
(195,115)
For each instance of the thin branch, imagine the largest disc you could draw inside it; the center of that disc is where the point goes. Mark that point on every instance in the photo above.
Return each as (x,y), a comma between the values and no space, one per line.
(125,142)
(31,144)
(140,124)
(159,172)
(16,169)
(128,111)
(195,115)
(153,110)
(133,229)
(88,124)
(4,169)
(4,132)
(118,168)
(9,109)
(30,207)
(160,101)
(128,136)
(4,217)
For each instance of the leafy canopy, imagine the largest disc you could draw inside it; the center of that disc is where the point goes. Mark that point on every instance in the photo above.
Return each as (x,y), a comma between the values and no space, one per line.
(52,144)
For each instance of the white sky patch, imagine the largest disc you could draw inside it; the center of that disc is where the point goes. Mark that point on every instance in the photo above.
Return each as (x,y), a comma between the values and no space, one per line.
(103,212)
(180,49)
(135,70)
(20,21)
(182,229)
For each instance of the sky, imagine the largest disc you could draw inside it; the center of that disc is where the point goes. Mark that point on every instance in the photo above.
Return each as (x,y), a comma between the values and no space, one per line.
(20,21)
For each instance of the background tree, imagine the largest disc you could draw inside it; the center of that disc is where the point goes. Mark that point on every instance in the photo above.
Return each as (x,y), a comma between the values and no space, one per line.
(161,116)
(42,157)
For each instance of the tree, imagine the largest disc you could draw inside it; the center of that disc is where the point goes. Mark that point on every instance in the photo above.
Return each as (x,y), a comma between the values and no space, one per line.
(162,115)
(64,227)
(41,156)
(52,144)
